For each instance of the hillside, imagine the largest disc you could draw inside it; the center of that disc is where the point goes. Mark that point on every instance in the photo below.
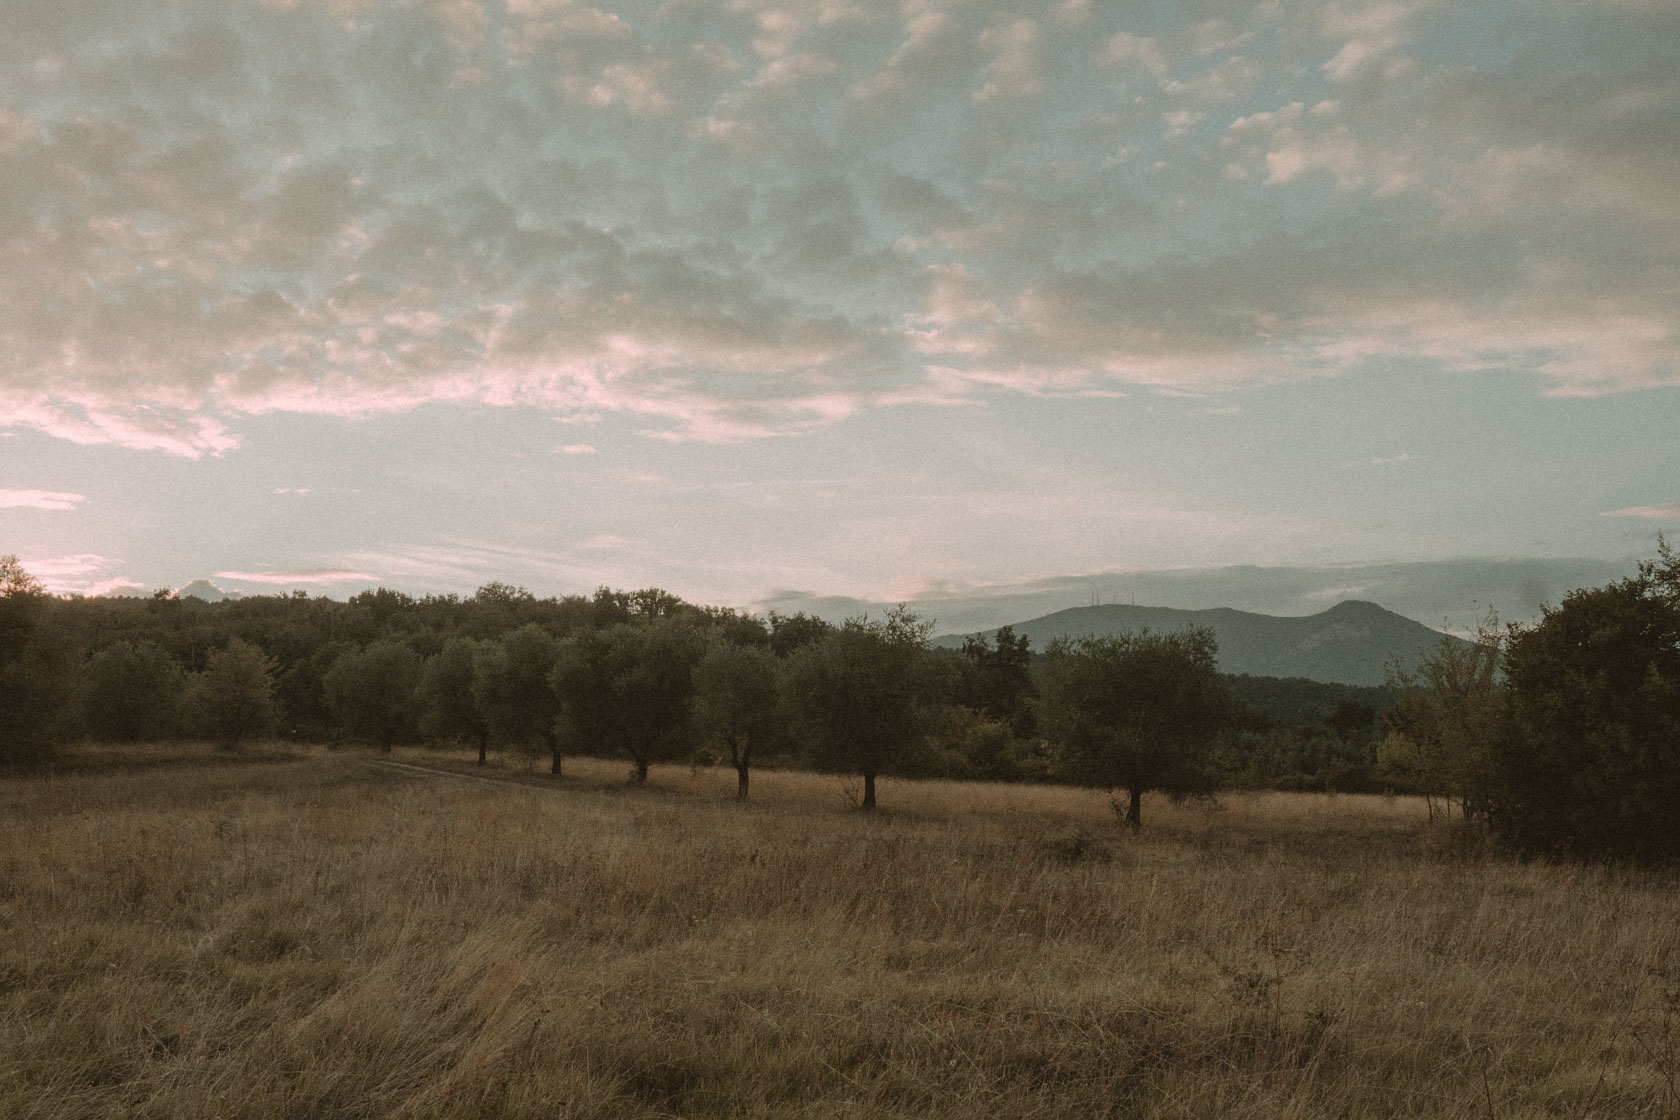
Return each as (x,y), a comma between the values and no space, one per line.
(1347,644)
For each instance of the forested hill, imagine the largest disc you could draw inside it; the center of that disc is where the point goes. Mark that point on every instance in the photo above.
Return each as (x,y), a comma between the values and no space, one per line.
(1348,644)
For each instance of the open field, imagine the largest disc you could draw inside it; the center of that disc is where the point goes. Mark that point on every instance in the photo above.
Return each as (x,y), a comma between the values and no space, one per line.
(316,934)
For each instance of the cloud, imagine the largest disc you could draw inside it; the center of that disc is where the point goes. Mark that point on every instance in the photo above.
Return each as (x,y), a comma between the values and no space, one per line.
(723,224)
(608,542)
(310,576)
(448,566)
(933,47)
(40,499)
(73,575)
(1017,61)
(56,567)
(576,449)
(1650,513)
(1125,49)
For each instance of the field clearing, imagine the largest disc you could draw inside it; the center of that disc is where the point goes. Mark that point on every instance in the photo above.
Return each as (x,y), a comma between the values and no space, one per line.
(311,933)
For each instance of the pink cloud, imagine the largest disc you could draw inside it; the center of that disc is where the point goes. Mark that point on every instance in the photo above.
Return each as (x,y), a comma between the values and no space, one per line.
(40,499)
(1669,512)
(302,575)
(56,567)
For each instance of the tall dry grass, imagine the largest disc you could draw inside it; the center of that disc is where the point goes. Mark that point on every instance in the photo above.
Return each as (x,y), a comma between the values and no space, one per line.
(321,935)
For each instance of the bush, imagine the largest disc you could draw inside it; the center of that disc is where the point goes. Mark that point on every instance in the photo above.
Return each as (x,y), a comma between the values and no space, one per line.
(1591,764)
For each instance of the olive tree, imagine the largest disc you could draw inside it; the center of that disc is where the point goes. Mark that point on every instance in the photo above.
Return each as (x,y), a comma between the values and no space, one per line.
(371,692)
(857,691)
(449,703)
(630,687)
(513,686)
(736,702)
(1136,712)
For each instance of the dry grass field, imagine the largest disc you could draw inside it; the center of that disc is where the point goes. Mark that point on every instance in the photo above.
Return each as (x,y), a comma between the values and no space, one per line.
(313,934)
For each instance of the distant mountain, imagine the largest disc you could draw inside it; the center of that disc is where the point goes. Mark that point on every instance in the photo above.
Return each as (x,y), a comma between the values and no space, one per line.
(204,589)
(1348,644)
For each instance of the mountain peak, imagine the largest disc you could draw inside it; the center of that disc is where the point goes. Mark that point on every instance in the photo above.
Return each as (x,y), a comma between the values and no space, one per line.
(1349,643)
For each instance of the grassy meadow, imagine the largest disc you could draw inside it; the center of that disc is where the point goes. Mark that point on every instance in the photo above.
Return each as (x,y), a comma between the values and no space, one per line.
(189,934)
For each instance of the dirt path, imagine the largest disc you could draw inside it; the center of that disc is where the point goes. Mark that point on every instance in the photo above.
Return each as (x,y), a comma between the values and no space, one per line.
(435,773)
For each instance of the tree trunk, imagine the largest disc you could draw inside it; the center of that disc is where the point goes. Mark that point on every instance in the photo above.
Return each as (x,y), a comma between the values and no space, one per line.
(553,742)
(740,781)
(641,771)
(1134,809)
(868,790)
(483,747)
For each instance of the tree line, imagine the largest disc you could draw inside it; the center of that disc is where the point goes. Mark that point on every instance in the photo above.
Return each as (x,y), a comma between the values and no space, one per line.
(1560,736)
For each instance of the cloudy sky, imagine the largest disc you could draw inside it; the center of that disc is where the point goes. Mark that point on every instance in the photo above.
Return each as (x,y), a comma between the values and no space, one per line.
(956,301)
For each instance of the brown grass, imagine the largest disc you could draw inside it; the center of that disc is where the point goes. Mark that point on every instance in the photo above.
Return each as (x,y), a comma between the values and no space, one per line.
(312,934)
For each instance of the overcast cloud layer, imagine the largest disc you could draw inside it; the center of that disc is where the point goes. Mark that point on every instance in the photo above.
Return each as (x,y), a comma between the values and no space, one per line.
(745,218)
(1161,284)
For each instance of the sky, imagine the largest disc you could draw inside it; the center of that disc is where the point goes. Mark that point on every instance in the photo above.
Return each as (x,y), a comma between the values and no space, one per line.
(990,307)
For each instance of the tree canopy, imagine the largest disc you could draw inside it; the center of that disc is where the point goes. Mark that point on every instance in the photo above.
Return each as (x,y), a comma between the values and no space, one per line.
(737,703)
(234,695)
(1590,765)
(1136,712)
(629,687)
(858,690)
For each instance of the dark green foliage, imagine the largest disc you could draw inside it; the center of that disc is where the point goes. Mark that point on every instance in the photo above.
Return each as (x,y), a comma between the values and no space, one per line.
(966,744)
(1303,758)
(1137,712)
(1339,754)
(789,632)
(630,687)
(448,697)
(737,703)
(1000,681)
(512,686)
(301,692)
(858,691)
(1353,722)
(37,664)
(736,628)
(131,691)
(1266,702)
(371,692)
(233,698)
(306,636)
(1591,764)
(1446,723)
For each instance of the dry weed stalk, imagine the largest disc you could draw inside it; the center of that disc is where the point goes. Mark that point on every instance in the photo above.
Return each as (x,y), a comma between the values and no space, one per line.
(316,936)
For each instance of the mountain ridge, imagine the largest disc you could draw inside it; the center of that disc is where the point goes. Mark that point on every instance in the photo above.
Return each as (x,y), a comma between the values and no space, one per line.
(1349,643)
